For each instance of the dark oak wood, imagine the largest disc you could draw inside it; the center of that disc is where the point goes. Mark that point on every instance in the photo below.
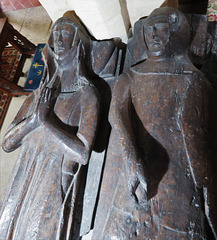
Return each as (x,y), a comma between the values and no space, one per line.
(11,88)
(159,177)
(56,129)
(60,128)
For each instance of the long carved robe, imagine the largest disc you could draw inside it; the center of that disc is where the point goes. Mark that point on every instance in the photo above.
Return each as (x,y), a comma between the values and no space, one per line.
(160,111)
(35,205)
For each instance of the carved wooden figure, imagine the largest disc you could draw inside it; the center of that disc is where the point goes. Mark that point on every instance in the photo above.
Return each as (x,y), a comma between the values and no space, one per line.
(159,173)
(55,128)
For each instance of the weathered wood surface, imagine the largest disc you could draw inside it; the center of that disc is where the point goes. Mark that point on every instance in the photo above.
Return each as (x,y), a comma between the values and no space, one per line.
(159,177)
(59,128)
(55,128)
(201,50)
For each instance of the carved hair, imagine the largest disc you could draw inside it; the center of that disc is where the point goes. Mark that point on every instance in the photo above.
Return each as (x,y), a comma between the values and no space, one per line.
(178,26)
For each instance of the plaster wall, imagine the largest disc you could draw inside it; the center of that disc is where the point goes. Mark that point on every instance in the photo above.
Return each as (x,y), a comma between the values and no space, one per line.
(104,19)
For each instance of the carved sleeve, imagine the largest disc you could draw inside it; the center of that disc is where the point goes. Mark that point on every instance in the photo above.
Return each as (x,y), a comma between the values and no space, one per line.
(120,119)
(89,118)
(77,146)
(21,125)
(195,121)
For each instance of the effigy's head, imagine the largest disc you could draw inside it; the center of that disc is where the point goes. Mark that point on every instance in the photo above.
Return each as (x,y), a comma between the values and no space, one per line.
(66,34)
(166,31)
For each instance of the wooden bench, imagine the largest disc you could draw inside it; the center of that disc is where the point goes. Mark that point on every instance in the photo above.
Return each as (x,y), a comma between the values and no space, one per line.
(9,35)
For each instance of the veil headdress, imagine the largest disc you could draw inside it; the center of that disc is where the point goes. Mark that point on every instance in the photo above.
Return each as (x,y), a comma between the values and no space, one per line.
(81,39)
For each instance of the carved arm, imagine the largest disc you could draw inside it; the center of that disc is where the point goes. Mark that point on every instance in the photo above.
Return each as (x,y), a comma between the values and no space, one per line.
(21,126)
(194,122)
(77,146)
(120,119)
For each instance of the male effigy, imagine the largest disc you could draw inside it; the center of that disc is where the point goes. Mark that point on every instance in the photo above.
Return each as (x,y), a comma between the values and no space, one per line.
(55,128)
(159,175)
(159,178)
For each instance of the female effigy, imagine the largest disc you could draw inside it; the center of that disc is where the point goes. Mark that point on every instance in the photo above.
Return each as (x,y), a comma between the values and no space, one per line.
(55,128)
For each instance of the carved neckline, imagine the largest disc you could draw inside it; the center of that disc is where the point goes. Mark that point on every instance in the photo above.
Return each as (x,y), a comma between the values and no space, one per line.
(66,94)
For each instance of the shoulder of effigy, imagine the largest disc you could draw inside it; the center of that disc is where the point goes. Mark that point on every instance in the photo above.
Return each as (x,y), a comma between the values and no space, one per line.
(190,75)
(89,91)
(193,72)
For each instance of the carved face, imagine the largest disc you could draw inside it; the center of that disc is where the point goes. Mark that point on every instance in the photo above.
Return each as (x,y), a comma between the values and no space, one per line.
(63,35)
(156,33)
